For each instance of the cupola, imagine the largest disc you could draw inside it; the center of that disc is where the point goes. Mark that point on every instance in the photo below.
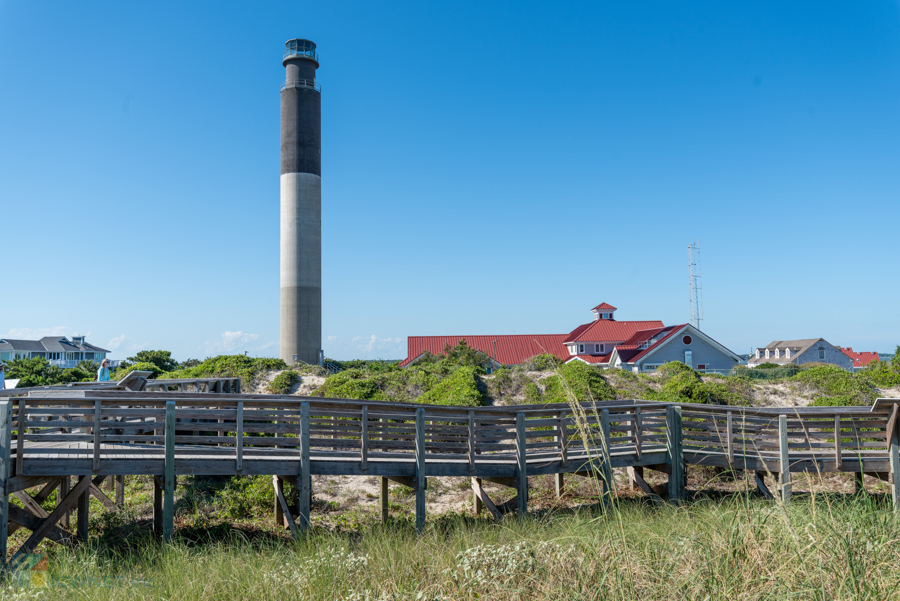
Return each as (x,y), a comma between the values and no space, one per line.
(603,311)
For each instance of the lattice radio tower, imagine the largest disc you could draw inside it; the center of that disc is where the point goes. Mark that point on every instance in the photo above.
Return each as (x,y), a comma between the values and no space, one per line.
(696,289)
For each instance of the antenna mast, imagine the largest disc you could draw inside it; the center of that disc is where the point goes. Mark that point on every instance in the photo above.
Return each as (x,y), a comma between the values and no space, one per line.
(694,286)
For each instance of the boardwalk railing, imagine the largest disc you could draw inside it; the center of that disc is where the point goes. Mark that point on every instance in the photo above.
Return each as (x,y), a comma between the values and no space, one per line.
(47,436)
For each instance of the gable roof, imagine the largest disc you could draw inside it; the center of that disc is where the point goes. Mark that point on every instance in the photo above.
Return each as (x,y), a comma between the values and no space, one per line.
(48,344)
(609,330)
(511,349)
(797,347)
(631,351)
(860,358)
(592,359)
(604,307)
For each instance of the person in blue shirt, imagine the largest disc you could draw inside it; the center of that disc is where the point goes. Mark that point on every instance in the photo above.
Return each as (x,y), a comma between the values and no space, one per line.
(103,372)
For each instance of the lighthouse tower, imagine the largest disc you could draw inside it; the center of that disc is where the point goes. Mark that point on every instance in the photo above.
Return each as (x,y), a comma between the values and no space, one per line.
(301,205)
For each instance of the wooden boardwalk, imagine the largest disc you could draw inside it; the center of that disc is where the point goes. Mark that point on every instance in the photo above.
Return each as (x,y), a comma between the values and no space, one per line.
(167,429)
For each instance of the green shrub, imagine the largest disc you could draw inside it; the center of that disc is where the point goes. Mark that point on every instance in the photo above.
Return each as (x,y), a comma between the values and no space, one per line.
(245,497)
(584,381)
(832,386)
(462,388)
(681,384)
(768,366)
(121,372)
(38,372)
(349,384)
(533,394)
(230,366)
(283,382)
(885,374)
(542,362)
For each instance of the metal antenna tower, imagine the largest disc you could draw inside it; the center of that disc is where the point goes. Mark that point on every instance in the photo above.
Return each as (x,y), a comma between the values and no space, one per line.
(695,288)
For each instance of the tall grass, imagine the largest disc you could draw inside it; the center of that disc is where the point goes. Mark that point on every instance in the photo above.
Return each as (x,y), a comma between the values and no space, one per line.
(739,548)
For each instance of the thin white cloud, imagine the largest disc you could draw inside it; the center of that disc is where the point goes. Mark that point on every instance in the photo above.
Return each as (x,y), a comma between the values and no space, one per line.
(375,343)
(38,333)
(332,338)
(231,341)
(117,342)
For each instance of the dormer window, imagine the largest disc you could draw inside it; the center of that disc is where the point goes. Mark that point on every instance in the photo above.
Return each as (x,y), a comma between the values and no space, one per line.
(644,345)
(757,353)
(767,353)
(787,353)
(777,353)
(580,348)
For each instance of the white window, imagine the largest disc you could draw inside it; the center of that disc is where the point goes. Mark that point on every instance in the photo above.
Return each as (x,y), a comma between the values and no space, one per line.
(767,353)
(821,354)
(757,353)
(644,345)
(777,353)
(650,367)
(688,359)
(572,349)
(580,348)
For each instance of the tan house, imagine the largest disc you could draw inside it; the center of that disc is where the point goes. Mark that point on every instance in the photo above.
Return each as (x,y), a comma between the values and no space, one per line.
(797,352)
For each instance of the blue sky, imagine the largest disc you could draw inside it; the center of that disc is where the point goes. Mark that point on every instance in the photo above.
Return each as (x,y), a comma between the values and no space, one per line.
(487,168)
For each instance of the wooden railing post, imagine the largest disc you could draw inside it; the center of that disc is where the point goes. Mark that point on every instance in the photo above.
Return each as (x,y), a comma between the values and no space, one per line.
(168,526)
(364,439)
(894,451)
(305,479)
(97,409)
(637,432)
(837,440)
(606,472)
(784,465)
(674,453)
(420,469)
(471,439)
(239,438)
(562,438)
(521,465)
(21,429)
(5,469)
(729,435)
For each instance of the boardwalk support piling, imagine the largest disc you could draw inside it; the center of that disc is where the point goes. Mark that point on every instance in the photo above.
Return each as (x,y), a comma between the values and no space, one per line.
(674,453)
(784,466)
(84,498)
(168,517)
(420,470)
(385,502)
(5,468)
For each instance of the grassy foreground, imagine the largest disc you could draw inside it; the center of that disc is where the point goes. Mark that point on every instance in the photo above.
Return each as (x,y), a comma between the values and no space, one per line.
(825,547)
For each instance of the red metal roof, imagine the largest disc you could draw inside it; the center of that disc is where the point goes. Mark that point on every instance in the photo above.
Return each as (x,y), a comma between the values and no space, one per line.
(609,330)
(860,359)
(512,349)
(604,307)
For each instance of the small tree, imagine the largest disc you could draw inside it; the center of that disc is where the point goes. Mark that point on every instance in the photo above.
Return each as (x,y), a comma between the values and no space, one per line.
(161,359)
(37,372)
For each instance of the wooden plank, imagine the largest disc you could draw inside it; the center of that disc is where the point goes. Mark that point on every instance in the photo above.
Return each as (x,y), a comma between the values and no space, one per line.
(286,518)
(761,485)
(385,501)
(20,518)
(559,484)
(120,491)
(96,434)
(168,517)
(31,504)
(66,504)
(484,499)
(420,470)
(83,508)
(101,496)
(521,465)
(784,465)
(637,476)
(6,422)
(674,453)
(305,479)
(64,484)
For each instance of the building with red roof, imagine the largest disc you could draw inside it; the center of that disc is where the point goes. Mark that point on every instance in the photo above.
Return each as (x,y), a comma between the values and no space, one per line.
(604,341)
(860,359)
